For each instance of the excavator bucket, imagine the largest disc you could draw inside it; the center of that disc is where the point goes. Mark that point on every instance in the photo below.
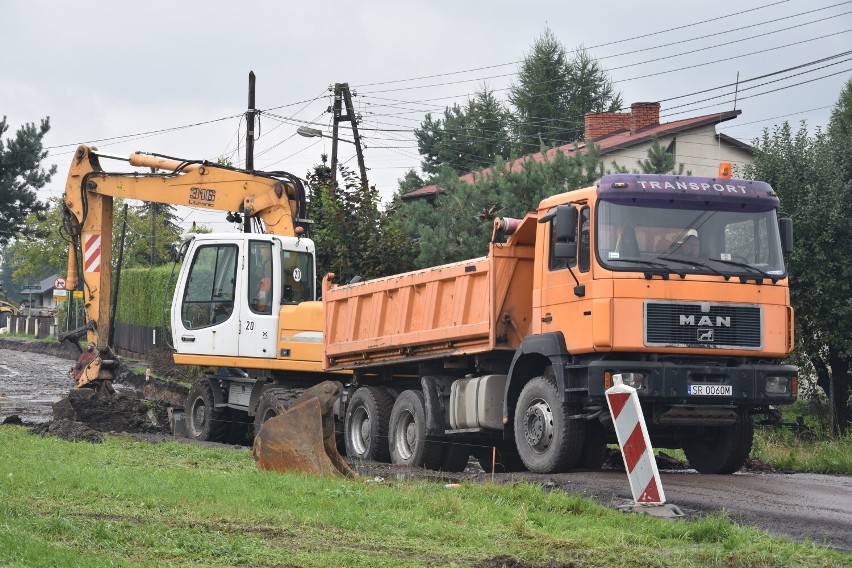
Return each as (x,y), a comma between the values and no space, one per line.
(301,438)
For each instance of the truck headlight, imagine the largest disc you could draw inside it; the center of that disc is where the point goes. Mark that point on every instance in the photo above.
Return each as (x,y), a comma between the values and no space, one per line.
(635,380)
(778,385)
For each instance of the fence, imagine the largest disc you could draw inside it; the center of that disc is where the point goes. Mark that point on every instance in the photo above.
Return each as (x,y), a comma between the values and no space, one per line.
(137,339)
(129,337)
(40,326)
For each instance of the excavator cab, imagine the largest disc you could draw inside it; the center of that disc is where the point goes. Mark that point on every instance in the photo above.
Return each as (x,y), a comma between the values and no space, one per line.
(231,288)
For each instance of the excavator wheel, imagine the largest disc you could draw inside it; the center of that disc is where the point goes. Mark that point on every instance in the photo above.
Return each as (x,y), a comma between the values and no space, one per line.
(302,437)
(273,402)
(204,421)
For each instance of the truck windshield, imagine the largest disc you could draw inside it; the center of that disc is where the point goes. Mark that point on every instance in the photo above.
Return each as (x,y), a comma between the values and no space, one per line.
(690,237)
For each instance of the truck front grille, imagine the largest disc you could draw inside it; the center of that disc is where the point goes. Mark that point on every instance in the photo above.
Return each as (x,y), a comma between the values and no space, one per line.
(720,326)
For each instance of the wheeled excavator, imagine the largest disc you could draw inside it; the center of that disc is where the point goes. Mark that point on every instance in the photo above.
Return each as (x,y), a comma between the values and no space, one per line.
(245,303)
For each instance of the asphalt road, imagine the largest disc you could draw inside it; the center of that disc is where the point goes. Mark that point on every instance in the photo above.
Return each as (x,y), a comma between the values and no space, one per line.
(800,506)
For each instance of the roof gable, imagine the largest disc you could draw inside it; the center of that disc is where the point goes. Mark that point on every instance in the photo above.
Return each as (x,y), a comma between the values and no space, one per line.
(608,143)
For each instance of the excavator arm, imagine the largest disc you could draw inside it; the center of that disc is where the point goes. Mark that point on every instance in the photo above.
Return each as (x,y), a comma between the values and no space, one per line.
(278,198)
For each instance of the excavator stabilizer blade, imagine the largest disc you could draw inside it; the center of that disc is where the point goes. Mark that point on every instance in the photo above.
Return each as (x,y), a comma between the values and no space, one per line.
(302,437)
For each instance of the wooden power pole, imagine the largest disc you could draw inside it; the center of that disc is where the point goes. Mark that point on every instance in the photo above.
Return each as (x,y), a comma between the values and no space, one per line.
(249,140)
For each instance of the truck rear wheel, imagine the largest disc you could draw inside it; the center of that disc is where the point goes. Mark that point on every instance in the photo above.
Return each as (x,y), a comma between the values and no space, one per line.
(408,444)
(204,421)
(365,428)
(454,457)
(504,460)
(547,441)
(721,449)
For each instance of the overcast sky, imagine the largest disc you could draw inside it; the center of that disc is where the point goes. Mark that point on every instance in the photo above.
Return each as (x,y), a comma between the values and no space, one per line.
(127,76)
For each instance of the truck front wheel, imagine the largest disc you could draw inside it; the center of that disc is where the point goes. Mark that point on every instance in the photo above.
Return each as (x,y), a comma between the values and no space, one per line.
(547,441)
(721,449)
(365,429)
(204,421)
(408,444)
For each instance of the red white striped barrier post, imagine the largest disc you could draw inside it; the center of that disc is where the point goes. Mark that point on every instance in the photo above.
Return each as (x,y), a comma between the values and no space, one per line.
(635,444)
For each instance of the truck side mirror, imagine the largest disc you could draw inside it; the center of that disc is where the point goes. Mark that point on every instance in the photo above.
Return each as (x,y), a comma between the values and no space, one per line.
(566,224)
(785,229)
(566,232)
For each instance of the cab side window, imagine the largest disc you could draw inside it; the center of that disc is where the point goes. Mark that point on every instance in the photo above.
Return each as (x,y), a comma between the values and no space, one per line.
(260,277)
(209,295)
(297,277)
(584,245)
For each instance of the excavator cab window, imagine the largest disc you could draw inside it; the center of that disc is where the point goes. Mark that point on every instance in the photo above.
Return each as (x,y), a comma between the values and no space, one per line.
(297,277)
(209,296)
(260,277)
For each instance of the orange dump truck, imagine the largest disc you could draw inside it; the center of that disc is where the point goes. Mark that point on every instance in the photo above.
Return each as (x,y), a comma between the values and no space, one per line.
(677,283)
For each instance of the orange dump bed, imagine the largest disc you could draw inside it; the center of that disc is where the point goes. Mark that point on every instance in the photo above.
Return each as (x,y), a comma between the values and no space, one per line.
(457,309)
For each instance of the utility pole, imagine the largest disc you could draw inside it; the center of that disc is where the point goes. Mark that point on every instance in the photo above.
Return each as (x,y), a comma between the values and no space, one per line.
(343,96)
(249,141)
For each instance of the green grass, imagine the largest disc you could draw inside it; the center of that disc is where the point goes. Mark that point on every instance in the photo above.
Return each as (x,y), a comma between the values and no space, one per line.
(816,450)
(783,449)
(19,336)
(137,504)
(48,339)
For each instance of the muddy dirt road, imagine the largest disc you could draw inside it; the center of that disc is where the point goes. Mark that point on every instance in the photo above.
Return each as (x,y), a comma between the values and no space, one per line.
(799,506)
(30,383)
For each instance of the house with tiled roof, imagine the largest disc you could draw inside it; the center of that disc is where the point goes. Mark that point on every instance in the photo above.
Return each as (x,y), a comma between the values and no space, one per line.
(625,137)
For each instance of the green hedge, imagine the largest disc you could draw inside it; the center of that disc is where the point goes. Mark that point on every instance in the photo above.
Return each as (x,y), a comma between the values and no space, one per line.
(140,296)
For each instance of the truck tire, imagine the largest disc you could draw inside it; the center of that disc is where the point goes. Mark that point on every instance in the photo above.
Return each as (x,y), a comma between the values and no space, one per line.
(506,460)
(204,421)
(408,444)
(454,457)
(594,447)
(547,441)
(365,428)
(272,403)
(721,449)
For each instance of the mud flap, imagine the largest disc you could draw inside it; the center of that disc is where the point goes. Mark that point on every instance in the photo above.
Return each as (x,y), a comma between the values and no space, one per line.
(302,437)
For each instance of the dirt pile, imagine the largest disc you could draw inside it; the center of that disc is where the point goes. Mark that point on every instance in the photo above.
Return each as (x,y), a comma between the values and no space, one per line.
(68,430)
(84,410)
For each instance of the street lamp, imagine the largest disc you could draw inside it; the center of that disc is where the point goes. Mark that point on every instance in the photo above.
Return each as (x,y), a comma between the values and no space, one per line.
(309,132)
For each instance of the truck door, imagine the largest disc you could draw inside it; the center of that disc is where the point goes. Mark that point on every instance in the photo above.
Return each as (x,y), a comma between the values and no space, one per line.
(261,300)
(205,316)
(561,309)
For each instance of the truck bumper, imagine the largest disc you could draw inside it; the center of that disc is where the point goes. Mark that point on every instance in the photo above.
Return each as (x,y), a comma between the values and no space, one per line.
(675,383)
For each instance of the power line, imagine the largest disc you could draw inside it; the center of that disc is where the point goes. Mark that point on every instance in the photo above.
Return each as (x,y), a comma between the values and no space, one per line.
(667,30)
(767,92)
(759,24)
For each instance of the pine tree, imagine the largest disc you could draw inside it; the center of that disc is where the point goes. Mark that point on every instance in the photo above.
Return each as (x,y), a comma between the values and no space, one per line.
(553,93)
(21,175)
(467,138)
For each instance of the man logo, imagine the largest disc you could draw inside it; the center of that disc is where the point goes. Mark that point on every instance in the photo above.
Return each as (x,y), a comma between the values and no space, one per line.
(705,335)
(706,321)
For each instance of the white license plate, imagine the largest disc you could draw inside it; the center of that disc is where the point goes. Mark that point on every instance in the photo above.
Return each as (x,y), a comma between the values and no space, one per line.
(709,390)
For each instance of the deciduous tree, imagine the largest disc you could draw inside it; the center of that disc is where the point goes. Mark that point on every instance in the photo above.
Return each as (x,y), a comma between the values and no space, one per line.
(353,236)
(807,171)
